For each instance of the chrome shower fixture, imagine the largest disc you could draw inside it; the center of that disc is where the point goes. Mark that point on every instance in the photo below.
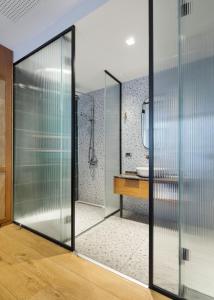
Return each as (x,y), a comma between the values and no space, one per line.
(92,159)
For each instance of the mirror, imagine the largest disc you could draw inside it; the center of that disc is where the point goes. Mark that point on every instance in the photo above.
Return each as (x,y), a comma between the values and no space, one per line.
(145,123)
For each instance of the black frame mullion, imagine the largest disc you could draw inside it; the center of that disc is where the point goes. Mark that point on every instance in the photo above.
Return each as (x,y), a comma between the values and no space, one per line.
(151,141)
(73,132)
(74,145)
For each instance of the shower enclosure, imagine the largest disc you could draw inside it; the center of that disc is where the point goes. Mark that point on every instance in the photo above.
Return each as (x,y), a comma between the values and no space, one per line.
(98,147)
(182,219)
(43,139)
(89,204)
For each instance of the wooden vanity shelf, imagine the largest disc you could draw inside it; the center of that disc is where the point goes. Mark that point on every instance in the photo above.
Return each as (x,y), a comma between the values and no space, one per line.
(136,188)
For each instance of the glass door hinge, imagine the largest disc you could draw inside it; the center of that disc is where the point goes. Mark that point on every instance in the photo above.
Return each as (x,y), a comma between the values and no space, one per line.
(182,291)
(186,8)
(185,254)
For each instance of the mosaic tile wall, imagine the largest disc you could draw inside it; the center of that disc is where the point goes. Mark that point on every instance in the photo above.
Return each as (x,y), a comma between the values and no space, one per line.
(91,189)
(134,93)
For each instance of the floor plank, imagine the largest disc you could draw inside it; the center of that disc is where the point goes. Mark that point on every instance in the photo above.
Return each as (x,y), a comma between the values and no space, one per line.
(34,268)
(32,241)
(5,294)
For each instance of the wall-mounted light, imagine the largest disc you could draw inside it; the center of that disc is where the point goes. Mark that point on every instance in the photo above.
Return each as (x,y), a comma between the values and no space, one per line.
(130,41)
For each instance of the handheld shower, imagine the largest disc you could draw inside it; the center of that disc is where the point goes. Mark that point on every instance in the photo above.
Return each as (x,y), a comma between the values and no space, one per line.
(92,159)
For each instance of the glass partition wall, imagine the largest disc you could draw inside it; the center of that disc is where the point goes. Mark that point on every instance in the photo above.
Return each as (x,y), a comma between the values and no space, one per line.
(43,140)
(166,133)
(197,148)
(183,110)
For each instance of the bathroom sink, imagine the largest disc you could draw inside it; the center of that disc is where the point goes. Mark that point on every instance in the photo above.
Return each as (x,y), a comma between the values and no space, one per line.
(142,171)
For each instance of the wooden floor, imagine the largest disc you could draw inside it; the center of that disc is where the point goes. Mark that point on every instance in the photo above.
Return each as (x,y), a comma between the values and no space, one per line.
(34,268)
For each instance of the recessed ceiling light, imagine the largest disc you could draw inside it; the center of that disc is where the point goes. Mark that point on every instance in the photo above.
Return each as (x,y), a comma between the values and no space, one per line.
(130,41)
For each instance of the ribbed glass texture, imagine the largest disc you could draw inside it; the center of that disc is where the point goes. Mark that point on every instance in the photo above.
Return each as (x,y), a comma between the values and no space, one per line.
(166,133)
(197,149)
(42,145)
(112,142)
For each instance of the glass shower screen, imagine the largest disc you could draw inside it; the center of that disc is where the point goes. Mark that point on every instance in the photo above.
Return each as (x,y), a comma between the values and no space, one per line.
(112,141)
(42,140)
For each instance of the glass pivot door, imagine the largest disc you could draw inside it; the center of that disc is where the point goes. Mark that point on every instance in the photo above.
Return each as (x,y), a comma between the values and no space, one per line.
(183,154)
(196,27)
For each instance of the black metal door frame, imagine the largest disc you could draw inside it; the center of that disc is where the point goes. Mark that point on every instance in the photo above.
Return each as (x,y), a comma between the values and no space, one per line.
(73,132)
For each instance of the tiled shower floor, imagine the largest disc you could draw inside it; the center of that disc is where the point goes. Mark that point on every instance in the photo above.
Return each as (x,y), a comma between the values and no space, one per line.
(86,216)
(122,245)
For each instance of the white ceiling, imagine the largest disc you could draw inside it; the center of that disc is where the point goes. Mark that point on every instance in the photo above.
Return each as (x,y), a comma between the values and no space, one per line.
(26,24)
(101,35)
(100,43)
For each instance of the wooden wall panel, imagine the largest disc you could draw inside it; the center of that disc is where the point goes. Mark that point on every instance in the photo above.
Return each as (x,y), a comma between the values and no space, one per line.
(2,197)
(2,123)
(6,75)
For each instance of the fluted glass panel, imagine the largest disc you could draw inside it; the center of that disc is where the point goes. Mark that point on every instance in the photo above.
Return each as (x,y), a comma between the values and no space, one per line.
(42,147)
(166,133)
(197,149)
(112,142)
